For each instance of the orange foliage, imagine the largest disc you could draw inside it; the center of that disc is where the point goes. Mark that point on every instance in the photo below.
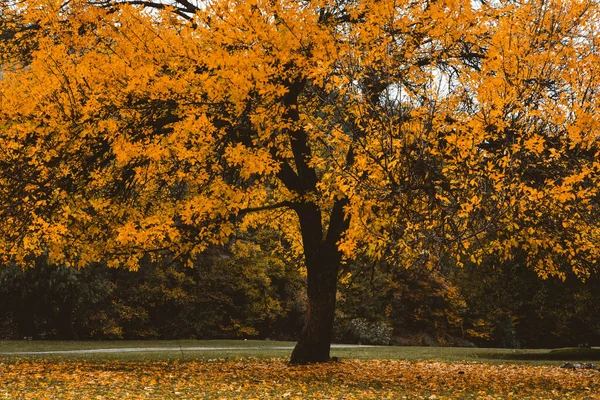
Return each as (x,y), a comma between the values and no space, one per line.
(274,379)
(125,130)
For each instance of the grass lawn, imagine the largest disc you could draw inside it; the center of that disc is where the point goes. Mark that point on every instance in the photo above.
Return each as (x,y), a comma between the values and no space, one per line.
(227,349)
(362,373)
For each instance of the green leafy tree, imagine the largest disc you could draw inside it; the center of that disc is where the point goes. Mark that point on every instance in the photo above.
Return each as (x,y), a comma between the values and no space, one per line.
(45,301)
(509,306)
(395,304)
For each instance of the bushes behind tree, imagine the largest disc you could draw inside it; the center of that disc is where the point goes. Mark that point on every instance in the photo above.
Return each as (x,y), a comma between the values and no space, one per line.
(254,289)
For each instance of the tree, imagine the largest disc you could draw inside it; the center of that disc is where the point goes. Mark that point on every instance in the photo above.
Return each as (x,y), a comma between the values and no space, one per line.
(393,128)
(509,306)
(43,302)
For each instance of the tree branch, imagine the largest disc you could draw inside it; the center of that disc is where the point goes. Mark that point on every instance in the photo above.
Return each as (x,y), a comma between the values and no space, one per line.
(184,10)
(268,207)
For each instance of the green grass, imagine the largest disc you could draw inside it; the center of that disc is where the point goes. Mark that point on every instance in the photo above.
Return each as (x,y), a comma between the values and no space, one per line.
(486,355)
(53,345)
(269,350)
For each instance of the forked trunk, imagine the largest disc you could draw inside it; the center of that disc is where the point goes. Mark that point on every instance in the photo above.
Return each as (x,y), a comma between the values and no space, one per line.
(322,258)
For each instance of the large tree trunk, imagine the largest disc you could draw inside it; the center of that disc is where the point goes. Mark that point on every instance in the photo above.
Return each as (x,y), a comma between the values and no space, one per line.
(322,259)
(315,338)
(321,254)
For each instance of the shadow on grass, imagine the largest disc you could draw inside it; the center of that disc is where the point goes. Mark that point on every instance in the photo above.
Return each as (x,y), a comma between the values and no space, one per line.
(566,354)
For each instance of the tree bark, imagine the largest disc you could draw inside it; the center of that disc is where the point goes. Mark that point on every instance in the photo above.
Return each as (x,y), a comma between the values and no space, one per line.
(322,259)
(321,254)
(315,339)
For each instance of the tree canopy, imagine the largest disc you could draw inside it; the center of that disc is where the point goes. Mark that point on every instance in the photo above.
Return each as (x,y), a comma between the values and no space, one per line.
(391,128)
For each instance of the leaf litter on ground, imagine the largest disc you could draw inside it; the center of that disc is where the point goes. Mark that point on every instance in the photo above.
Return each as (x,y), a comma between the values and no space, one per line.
(275,379)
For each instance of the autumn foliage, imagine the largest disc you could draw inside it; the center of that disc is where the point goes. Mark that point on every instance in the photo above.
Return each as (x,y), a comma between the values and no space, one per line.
(395,129)
(274,379)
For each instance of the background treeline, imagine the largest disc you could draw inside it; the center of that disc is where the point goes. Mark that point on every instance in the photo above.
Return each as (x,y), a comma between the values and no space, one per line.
(254,289)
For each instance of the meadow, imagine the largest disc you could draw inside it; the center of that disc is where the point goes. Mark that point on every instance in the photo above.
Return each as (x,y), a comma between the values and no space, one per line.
(259,370)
